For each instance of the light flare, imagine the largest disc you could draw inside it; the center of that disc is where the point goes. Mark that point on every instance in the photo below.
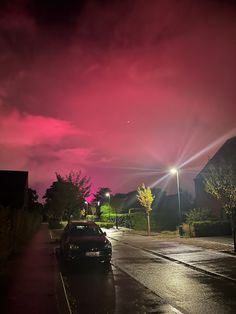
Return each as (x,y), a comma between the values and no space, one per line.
(209,147)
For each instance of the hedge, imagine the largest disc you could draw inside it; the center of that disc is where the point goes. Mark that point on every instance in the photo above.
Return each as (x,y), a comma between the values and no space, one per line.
(138,221)
(135,220)
(210,228)
(122,220)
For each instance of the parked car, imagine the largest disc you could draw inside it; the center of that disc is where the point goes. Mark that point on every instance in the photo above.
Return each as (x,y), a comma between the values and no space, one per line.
(85,241)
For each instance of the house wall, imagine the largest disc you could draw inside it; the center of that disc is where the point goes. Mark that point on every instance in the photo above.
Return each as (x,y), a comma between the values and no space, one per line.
(14,189)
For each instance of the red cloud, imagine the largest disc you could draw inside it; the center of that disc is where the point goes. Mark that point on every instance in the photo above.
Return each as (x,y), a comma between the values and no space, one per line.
(19,129)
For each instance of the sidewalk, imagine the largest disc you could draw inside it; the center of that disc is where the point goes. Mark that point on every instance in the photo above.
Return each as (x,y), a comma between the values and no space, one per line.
(223,243)
(33,284)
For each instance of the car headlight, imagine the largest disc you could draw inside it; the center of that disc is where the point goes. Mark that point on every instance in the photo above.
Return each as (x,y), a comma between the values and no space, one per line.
(73,247)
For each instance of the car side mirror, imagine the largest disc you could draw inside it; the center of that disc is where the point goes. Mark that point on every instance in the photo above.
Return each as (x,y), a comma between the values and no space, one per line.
(104,233)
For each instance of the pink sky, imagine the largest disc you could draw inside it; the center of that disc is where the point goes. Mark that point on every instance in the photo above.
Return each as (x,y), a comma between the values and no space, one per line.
(114,88)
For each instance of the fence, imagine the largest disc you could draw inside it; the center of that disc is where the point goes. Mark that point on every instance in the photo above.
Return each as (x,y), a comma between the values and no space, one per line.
(16,228)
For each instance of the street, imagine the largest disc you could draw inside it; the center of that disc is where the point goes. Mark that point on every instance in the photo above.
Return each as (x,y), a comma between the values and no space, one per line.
(149,276)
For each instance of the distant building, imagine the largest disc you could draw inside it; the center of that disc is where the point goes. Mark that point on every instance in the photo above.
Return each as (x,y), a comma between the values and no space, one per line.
(14,189)
(226,154)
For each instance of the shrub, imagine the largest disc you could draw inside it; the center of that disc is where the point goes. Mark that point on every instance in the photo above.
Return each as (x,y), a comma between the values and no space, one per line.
(91,217)
(106,209)
(198,214)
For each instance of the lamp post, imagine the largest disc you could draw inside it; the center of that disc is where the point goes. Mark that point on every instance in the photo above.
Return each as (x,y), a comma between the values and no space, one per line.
(98,211)
(175,171)
(86,208)
(109,196)
(109,201)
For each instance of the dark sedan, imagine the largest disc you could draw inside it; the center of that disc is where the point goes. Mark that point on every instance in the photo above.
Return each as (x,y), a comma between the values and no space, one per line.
(85,241)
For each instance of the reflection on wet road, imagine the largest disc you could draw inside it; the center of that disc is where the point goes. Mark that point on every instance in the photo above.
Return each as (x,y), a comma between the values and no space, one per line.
(185,288)
(140,281)
(95,289)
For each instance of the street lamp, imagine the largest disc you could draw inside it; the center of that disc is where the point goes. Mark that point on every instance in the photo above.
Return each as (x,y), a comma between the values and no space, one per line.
(98,210)
(175,171)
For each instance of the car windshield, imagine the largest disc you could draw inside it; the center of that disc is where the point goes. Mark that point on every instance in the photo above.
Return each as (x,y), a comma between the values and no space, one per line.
(85,230)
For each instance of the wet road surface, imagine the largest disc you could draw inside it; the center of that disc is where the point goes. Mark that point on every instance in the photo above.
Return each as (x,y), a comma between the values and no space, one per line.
(99,289)
(191,279)
(147,276)
(208,261)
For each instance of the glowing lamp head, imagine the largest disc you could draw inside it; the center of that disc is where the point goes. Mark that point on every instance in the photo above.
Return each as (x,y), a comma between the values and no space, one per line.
(173,170)
(107,194)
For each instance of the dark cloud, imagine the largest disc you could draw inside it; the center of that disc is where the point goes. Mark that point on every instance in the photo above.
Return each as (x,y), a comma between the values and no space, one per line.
(57,15)
(110,84)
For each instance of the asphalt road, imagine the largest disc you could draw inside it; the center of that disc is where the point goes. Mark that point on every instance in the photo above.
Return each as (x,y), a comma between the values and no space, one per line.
(149,276)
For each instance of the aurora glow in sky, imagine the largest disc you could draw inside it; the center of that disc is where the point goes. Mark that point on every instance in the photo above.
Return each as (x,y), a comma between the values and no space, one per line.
(115,87)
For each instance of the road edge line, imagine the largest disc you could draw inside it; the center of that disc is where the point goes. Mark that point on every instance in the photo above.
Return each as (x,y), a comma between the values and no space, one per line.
(65,293)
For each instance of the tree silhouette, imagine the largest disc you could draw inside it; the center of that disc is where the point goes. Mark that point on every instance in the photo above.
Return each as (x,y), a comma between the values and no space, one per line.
(220,182)
(66,196)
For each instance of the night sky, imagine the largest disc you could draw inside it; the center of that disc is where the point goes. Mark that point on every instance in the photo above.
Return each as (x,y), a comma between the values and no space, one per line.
(122,90)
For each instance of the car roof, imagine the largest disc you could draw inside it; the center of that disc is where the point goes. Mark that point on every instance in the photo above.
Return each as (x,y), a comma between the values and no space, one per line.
(76,222)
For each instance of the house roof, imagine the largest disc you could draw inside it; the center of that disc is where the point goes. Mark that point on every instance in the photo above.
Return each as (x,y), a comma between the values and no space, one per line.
(226,153)
(13,186)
